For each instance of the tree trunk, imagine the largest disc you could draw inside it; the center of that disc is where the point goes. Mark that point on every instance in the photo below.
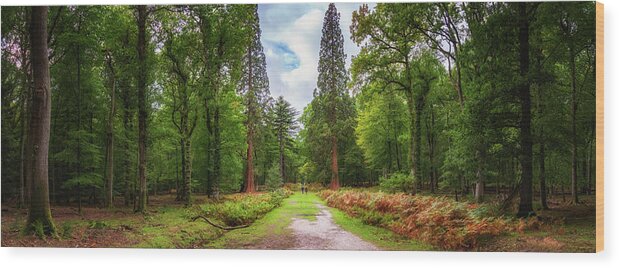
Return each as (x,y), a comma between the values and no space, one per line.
(525,208)
(209,146)
(542,171)
(335,178)
(431,148)
(78,51)
(417,137)
(24,190)
(574,133)
(282,164)
(412,145)
(251,118)
(39,130)
(479,185)
(127,154)
(217,152)
(142,112)
(186,171)
(109,148)
(24,193)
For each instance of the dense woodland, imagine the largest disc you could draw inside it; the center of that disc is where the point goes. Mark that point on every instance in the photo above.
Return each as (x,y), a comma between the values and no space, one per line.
(110,106)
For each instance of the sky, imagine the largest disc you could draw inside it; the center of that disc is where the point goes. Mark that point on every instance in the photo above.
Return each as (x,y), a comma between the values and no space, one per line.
(291,39)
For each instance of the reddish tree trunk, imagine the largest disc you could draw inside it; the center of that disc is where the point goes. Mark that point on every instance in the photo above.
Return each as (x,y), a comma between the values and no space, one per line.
(335,177)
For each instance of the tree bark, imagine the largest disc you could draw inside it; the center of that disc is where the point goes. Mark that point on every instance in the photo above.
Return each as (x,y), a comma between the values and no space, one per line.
(109,148)
(282,164)
(542,174)
(217,152)
(574,186)
(142,112)
(251,118)
(209,146)
(127,155)
(39,130)
(525,208)
(412,145)
(481,177)
(335,178)
(24,193)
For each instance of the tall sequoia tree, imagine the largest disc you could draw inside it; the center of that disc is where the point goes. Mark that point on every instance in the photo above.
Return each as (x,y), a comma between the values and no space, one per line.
(332,78)
(255,88)
(39,130)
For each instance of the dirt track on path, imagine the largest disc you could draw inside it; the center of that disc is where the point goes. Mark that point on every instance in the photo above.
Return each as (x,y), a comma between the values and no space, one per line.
(323,233)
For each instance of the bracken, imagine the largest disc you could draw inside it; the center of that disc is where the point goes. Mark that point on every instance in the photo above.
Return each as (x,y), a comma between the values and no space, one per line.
(439,221)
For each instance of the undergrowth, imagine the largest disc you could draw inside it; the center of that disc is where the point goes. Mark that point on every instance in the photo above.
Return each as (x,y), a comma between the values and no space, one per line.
(439,221)
(244,209)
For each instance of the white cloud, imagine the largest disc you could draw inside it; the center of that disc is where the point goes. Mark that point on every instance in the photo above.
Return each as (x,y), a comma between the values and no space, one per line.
(299,26)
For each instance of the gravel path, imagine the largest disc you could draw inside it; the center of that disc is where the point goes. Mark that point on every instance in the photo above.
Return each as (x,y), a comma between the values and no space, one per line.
(323,233)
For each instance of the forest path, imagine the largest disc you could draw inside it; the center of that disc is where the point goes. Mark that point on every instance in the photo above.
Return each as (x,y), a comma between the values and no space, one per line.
(302,222)
(323,233)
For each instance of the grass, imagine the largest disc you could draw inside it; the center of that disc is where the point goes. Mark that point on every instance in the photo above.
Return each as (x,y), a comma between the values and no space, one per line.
(272,230)
(171,228)
(380,237)
(273,227)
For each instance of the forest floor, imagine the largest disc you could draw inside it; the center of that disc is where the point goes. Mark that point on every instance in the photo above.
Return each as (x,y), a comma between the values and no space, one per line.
(573,230)
(303,221)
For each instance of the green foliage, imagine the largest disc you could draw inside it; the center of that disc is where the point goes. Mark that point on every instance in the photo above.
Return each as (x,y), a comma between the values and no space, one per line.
(66,230)
(397,182)
(38,229)
(245,209)
(274,180)
(98,224)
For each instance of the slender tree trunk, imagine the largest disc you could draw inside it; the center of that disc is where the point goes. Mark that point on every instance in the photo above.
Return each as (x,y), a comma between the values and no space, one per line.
(24,193)
(179,187)
(79,122)
(417,137)
(127,154)
(542,171)
(525,208)
(142,112)
(217,152)
(209,147)
(479,185)
(574,133)
(431,148)
(282,170)
(186,170)
(251,118)
(109,150)
(39,130)
(249,179)
(412,145)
